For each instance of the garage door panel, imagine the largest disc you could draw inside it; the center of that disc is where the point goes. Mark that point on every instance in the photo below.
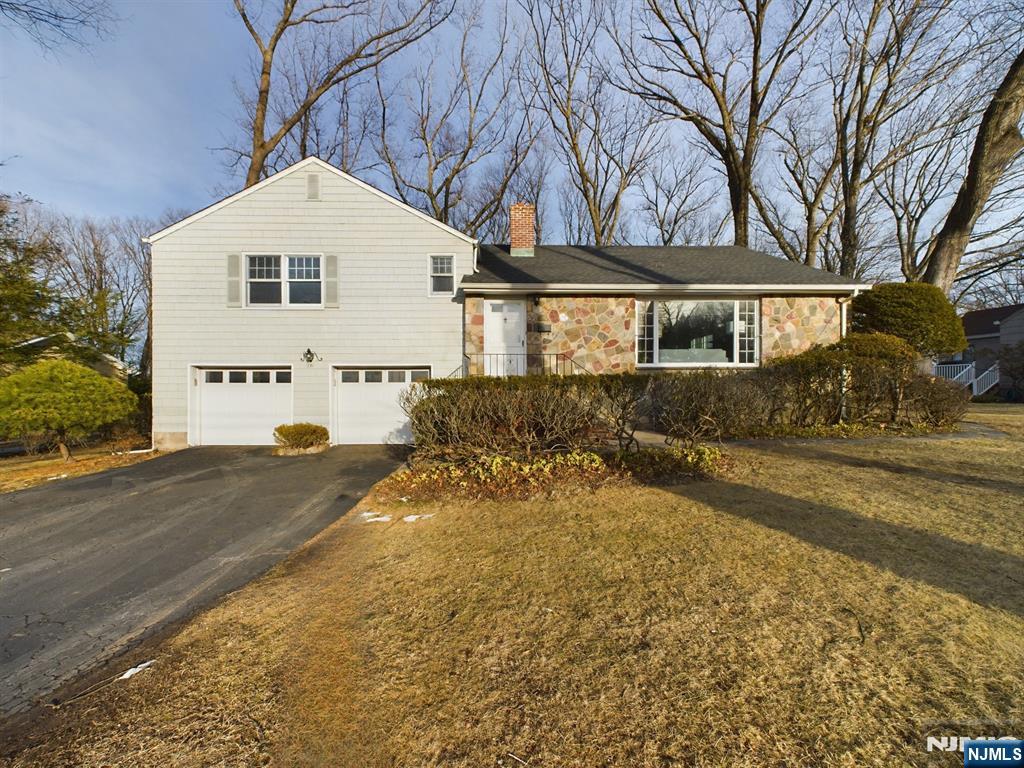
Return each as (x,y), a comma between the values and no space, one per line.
(367,405)
(243,406)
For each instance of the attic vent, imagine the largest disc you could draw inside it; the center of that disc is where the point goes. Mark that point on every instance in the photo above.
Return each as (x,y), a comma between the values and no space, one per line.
(312,186)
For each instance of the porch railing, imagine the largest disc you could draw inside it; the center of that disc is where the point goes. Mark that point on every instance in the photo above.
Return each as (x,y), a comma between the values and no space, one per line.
(529,363)
(959,373)
(985,381)
(966,375)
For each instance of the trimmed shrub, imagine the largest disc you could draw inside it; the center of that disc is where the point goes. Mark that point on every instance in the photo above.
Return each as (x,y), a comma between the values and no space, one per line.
(516,416)
(918,313)
(936,402)
(61,401)
(861,380)
(301,436)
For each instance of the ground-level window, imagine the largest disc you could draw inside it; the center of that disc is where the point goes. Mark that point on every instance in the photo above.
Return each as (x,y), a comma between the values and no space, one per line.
(697,332)
(284,280)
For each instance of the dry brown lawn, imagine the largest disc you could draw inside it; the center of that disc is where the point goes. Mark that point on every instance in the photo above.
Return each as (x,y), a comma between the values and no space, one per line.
(18,472)
(827,604)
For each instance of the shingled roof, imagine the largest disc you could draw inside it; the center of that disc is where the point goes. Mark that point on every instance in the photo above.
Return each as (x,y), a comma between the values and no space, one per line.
(985,322)
(565,267)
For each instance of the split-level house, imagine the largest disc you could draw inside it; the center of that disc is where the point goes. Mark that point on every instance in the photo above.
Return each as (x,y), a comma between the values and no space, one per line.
(314,297)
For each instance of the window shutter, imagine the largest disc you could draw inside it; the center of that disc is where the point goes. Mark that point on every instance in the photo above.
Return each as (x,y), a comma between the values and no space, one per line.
(330,281)
(234,280)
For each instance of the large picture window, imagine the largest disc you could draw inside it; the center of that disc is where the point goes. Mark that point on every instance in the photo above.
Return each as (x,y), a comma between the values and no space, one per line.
(284,281)
(697,332)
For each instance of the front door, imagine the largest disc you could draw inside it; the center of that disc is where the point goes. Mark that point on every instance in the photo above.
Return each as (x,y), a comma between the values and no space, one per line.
(505,338)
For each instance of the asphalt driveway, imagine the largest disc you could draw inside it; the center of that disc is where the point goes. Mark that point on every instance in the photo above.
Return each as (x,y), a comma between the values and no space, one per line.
(91,565)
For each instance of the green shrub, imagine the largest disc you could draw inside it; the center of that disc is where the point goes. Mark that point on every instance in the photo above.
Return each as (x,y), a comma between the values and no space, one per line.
(918,313)
(503,477)
(653,465)
(301,436)
(61,401)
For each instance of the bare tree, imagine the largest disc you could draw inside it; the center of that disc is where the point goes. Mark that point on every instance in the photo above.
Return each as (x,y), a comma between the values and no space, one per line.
(678,198)
(528,185)
(52,22)
(725,69)
(603,138)
(997,144)
(460,137)
(352,37)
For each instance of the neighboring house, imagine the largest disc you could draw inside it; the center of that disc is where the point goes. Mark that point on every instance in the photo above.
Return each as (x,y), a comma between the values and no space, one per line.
(989,331)
(65,345)
(312,296)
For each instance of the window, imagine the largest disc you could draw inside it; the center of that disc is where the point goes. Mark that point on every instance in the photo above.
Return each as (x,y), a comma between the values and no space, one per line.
(419,375)
(214,377)
(298,284)
(350,377)
(236,377)
(442,275)
(261,377)
(373,377)
(396,377)
(283,377)
(697,333)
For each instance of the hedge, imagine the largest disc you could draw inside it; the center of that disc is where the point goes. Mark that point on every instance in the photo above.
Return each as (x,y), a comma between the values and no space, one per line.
(869,380)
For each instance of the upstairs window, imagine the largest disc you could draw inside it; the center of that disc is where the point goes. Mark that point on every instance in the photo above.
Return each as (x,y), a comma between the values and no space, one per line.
(284,281)
(442,275)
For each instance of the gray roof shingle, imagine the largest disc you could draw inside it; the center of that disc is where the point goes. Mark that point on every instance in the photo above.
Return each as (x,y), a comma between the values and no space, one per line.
(644,265)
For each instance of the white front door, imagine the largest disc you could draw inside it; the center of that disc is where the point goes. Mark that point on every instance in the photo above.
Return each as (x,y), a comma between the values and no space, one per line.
(242,406)
(504,338)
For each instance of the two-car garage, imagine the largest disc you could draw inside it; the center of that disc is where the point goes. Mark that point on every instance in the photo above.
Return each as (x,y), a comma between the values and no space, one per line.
(241,405)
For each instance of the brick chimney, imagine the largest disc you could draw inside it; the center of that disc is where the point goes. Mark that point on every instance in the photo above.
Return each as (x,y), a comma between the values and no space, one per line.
(522,229)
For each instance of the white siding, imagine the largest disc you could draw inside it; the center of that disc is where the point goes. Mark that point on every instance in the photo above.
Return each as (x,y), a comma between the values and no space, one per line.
(385,314)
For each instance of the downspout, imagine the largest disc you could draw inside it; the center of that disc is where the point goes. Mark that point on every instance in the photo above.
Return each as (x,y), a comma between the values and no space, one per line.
(843,302)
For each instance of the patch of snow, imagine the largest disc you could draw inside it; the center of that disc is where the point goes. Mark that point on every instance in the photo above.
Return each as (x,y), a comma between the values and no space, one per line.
(135,670)
(414,518)
(378,519)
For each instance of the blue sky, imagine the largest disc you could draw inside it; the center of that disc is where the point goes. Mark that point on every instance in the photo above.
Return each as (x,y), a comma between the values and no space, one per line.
(125,127)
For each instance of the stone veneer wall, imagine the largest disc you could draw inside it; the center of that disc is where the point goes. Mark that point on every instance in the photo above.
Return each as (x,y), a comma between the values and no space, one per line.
(793,324)
(597,332)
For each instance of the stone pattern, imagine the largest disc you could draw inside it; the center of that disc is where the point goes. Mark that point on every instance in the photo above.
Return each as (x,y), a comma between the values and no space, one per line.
(598,333)
(794,324)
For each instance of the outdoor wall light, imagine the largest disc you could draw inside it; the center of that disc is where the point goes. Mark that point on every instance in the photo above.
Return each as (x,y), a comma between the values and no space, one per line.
(309,356)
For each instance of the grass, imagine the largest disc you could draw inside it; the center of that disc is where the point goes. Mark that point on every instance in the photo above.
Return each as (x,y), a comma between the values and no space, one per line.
(19,472)
(827,604)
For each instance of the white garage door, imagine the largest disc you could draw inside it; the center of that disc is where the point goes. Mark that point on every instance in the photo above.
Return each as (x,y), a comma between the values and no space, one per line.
(367,408)
(241,406)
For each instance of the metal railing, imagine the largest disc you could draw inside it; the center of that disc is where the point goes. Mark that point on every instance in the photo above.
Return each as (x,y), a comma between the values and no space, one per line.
(985,381)
(521,364)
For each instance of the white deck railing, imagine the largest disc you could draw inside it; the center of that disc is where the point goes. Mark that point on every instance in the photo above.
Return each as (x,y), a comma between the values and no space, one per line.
(961,373)
(966,375)
(985,381)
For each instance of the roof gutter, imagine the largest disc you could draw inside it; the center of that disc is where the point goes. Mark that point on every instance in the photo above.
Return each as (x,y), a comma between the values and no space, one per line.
(648,288)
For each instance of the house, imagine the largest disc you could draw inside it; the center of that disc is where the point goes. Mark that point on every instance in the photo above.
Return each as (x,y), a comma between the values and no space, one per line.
(313,296)
(65,345)
(990,330)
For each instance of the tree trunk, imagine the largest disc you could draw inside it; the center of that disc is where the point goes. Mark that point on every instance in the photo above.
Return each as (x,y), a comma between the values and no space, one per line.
(65,452)
(998,142)
(739,202)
